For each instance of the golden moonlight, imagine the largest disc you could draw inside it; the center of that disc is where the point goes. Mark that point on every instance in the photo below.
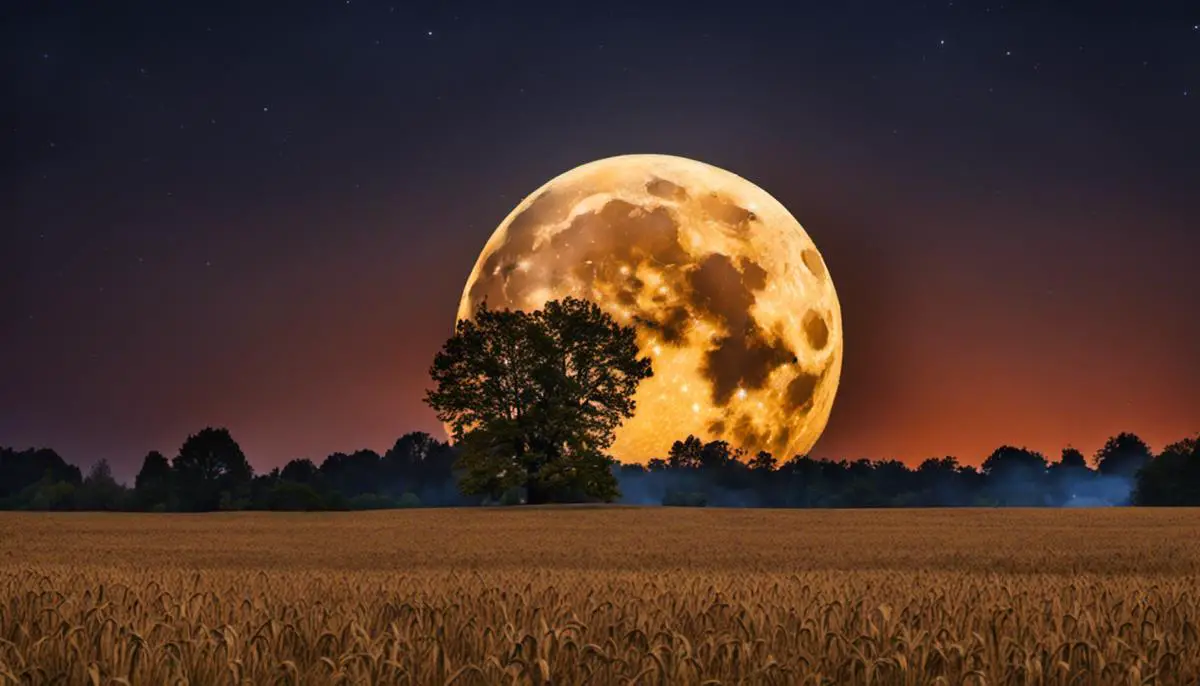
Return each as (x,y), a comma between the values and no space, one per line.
(730,297)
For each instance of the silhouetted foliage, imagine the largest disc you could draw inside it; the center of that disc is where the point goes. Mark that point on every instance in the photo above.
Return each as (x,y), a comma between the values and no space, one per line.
(685,454)
(685,499)
(763,462)
(1122,455)
(533,399)
(420,466)
(1016,477)
(301,471)
(354,474)
(211,472)
(100,491)
(418,471)
(152,487)
(1172,478)
(1072,459)
(1009,476)
(26,469)
(294,495)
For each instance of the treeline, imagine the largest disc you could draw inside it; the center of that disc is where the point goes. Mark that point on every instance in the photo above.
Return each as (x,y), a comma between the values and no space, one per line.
(1123,472)
(210,472)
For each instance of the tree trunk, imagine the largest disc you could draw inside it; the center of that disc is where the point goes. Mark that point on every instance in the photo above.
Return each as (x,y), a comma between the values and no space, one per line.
(534,494)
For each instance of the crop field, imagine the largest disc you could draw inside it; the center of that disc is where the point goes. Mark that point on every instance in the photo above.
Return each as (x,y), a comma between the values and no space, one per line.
(604,595)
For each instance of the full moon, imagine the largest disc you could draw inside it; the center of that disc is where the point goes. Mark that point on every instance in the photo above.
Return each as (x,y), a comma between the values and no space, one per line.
(730,298)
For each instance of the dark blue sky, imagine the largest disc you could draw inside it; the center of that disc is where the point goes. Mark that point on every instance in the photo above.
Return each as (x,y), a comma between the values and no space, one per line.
(262,215)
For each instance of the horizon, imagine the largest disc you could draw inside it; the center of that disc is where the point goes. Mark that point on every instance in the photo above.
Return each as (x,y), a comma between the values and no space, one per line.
(126,476)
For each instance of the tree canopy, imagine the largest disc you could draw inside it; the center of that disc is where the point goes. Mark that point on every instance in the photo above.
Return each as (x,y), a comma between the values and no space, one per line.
(1123,455)
(211,471)
(533,399)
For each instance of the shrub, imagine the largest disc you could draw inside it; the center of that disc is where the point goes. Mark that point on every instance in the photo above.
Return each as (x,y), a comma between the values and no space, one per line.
(370,501)
(675,498)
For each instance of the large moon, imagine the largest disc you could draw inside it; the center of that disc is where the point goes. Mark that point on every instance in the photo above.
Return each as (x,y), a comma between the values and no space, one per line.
(731,299)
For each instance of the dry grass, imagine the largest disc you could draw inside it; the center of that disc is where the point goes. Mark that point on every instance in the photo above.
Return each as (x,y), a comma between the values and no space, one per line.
(603,596)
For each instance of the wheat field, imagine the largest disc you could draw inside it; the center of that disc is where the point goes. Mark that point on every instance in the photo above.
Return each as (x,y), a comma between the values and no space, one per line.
(604,595)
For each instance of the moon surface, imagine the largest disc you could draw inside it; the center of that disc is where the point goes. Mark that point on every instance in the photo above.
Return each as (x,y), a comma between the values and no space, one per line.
(731,299)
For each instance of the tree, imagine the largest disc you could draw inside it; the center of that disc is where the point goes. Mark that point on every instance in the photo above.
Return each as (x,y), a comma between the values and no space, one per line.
(1071,478)
(685,454)
(211,472)
(1072,459)
(301,471)
(410,456)
(49,494)
(152,485)
(21,469)
(359,473)
(1122,455)
(100,491)
(423,466)
(938,480)
(764,462)
(1172,478)
(1016,476)
(533,399)
(294,495)
(716,455)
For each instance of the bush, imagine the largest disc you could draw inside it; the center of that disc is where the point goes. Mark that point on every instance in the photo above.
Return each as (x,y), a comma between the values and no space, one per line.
(49,495)
(293,496)
(685,499)
(336,500)
(370,501)
(409,499)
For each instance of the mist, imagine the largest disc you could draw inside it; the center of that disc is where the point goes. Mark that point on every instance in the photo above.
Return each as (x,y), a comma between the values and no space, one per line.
(808,483)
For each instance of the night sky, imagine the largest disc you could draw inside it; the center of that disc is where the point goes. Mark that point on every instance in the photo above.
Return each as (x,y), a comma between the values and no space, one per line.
(263,218)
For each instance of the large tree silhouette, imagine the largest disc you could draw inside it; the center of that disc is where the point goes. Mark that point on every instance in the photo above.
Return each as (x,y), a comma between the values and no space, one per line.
(1016,476)
(685,454)
(152,485)
(1172,478)
(534,398)
(211,472)
(1122,455)
(22,469)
